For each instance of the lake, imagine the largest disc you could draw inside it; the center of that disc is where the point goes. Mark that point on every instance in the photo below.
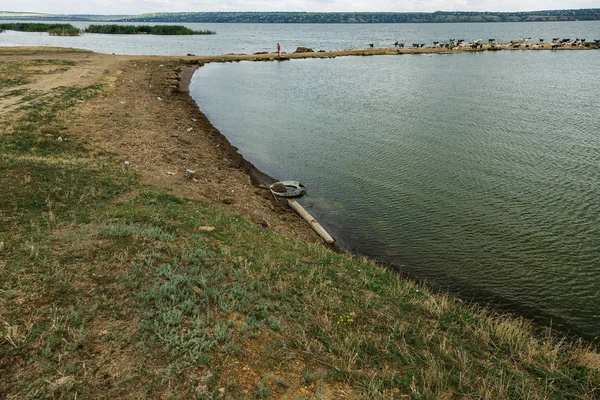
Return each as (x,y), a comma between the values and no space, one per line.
(479,173)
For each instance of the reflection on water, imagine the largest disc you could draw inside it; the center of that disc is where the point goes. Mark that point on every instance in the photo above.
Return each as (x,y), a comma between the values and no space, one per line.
(477,172)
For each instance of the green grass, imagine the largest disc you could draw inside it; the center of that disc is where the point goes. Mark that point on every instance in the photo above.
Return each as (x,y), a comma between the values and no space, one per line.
(64,31)
(19,74)
(146,29)
(21,51)
(108,288)
(11,93)
(52,29)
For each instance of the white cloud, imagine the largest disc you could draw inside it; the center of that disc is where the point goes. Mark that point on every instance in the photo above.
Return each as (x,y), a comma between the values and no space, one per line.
(147,6)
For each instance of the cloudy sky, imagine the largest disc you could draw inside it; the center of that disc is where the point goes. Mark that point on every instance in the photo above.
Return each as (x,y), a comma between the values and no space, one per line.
(147,6)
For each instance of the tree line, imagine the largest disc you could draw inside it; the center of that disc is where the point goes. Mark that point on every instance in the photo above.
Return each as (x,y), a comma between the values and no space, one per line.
(364,17)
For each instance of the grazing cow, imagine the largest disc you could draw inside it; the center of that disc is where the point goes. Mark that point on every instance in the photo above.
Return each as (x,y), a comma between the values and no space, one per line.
(371,45)
(435,44)
(416,45)
(401,45)
(476,45)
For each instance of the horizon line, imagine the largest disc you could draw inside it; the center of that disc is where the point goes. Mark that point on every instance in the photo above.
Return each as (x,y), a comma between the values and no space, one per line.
(314,12)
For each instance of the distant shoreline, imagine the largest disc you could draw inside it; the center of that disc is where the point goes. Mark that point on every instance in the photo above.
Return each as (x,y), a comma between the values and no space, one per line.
(587,14)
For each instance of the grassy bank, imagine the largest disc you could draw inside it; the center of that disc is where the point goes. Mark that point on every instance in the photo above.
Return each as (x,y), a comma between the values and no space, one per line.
(113,288)
(146,29)
(52,29)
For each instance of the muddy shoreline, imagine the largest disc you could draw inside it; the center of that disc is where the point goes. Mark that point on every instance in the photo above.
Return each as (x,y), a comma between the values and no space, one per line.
(257,177)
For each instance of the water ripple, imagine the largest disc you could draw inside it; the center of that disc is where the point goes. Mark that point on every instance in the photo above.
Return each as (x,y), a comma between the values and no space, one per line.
(477,172)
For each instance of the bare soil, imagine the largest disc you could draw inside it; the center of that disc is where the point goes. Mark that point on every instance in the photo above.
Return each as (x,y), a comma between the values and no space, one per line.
(147,118)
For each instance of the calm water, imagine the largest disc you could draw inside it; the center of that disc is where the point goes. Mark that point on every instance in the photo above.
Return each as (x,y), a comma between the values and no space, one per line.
(477,172)
(250,38)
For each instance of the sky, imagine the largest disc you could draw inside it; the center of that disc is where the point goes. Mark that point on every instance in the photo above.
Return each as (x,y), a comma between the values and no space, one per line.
(149,6)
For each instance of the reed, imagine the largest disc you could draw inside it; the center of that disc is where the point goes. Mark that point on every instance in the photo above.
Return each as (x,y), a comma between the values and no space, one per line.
(145,29)
(52,29)
(64,31)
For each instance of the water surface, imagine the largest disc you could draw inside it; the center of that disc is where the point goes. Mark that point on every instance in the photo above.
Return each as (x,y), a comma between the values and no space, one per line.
(477,172)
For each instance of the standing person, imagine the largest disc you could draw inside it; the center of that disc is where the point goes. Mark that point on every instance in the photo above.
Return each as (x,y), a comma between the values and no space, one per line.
(278,49)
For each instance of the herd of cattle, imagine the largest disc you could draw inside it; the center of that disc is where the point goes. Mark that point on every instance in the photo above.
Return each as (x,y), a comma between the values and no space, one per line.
(494,45)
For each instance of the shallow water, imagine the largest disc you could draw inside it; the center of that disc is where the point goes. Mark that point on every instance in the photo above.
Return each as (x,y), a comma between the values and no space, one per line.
(250,38)
(477,172)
